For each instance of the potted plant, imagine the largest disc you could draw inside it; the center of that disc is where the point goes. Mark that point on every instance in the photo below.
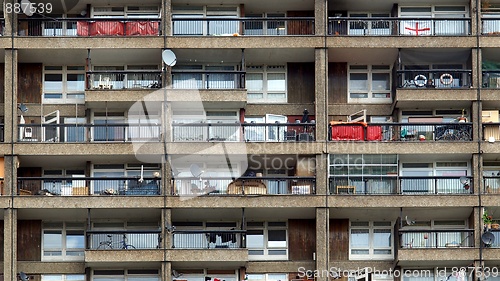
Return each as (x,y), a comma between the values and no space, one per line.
(462,118)
(495,225)
(487,219)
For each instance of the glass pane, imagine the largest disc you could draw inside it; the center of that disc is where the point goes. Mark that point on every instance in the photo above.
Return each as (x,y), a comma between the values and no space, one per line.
(359,238)
(255,239)
(52,83)
(75,240)
(276,238)
(254,82)
(381,82)
(358,81)
(276,82)
(76,82)
(52,239)
(382,238)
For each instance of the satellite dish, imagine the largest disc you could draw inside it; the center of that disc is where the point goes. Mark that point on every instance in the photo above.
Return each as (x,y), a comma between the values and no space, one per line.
(23,276)
(195,170)
(22,107)
(176,274)
(25,7)
(488,238)
(168,57)
(465,182)
(409,221)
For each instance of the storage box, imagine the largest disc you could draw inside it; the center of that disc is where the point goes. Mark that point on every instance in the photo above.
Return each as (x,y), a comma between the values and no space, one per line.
(374,133)
(348,132)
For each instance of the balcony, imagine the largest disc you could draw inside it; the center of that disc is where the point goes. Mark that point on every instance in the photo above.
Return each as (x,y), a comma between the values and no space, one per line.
(244,186)
(205,239)
(391,184)
(86,186)
(89,27)
(491,184)
(390,26)
(248,132)
(213,26)
(434,79)
(83,133)
(124,79)
(208,79)
(123,240)
(435,239)
(491,79)
(490,26)
(400,132)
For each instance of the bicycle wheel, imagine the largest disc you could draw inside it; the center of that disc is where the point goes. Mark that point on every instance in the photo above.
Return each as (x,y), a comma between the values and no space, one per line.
(127,247)
(104,246)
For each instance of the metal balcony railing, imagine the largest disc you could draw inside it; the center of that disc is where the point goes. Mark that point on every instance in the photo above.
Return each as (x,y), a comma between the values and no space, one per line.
(496,242)
(392,184)
(490,26)
(123,239)
(390,26)
(491,184)
(208,239)
(208,79)
(434,79)
(248,132)
(81,133)
(124,79)
(244,186)
(444,238)
(442,132)
(86,186)
(89,27)
(223,26)
(491,79)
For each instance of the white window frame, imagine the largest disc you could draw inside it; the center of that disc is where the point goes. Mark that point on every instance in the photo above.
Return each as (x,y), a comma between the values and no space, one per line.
(267,28)
(266,248)
(369,71)
(266,277)
(124,274)
(64,91)
(434,13)
(63,28)
(63,257)
(264,70)
(63,277)
(371,228)
(120,84)
(58,187)
(199,80)
(206,273)
(148,11)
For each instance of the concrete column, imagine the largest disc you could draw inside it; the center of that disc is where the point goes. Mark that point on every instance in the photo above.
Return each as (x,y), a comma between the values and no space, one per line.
(10,18)
(10,166)
(477,173)
(10,96)
(320,17)
(473,16)
(322,186)
(477,225)
(167,17)
(477,125)
(166,271)
(476,59)
(10,245)
(167,221)
(322,245)
(321,93)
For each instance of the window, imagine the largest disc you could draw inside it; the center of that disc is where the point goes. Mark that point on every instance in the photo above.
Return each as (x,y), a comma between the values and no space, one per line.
(126,12)
(125,76)
(63,241)
(267,240)
(267,277)
(366,26)
(210,275)
(437,233)
(433,73)
(59,27)
(64,84)
(126,275)
(63,187)
(266,83)
(370,84)
(367,173)
(437,274)
(117,171)
(199,240)
(263,133)
(208,27)
(202,132)
(205,77)
(371,240)
(63,277)
(138,240)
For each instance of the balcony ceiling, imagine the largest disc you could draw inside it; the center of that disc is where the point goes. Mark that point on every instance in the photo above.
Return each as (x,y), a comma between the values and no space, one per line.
(382,5)
(99,57)
(253,6)
(74,161)
(235,214)
(391,214)
(384,56)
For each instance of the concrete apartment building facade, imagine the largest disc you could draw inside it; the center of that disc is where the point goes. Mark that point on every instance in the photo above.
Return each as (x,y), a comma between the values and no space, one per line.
(328,136)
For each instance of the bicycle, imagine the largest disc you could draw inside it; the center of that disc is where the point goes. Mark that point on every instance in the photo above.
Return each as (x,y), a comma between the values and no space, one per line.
(108,244)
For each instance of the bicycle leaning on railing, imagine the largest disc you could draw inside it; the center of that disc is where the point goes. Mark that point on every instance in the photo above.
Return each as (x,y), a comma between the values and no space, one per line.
(108,244)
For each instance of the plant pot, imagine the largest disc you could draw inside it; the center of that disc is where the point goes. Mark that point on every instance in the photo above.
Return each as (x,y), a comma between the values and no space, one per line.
(487,225)
(495,226)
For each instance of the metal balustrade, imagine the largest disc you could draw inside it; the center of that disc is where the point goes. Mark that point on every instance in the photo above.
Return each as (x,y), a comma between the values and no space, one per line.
(443,238)
(434,79)
(190,186)
(248,132)
(411,132)
(123,239)
(123,79)
(48,26)
(392,184)
(208,79)
(247,26)
(81,133)
(86,186)
(390,26)
(208,239)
